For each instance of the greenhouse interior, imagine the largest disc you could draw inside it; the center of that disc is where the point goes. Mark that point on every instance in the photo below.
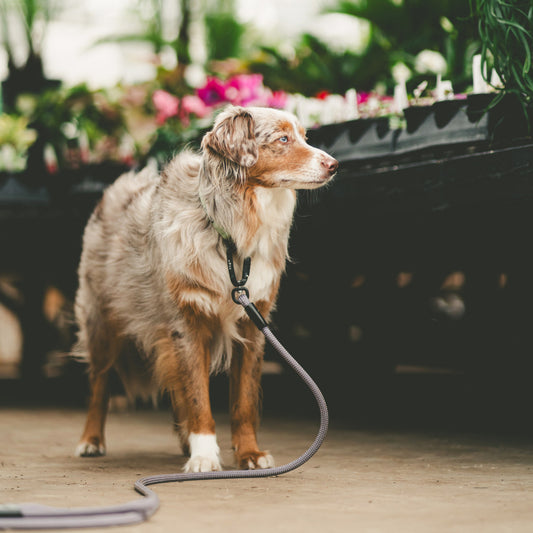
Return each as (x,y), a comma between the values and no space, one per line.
(149,146)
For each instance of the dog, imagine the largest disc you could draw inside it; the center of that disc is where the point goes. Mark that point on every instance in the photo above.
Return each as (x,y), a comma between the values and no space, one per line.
(154,299)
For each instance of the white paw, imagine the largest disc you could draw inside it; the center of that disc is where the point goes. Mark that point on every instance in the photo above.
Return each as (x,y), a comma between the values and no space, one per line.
(202,464)
(87,449)
(267,461)
(205,453)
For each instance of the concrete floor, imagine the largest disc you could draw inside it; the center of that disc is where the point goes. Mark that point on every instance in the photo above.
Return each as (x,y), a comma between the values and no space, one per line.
(360,480)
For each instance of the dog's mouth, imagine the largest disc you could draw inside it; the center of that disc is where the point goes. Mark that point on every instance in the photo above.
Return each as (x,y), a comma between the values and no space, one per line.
(312,183)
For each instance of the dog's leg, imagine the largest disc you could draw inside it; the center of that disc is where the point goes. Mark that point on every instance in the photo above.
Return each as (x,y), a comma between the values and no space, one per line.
(245,389)
(179,410)
(92,440)
(104,347)
(182,367)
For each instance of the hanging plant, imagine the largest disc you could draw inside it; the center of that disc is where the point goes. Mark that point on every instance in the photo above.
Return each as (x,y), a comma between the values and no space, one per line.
(506,32)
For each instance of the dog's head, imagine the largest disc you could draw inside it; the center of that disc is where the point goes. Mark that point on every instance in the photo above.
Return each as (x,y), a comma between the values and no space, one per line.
(269,147)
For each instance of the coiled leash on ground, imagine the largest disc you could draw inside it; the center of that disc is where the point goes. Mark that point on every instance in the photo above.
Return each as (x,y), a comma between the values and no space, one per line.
(35,516)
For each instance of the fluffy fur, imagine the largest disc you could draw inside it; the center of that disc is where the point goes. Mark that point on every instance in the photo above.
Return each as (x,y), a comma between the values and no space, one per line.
(154,298)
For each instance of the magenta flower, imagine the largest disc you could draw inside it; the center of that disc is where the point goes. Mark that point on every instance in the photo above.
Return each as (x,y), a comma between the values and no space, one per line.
(362,98)
(213,93)
(166,105)
(246,89)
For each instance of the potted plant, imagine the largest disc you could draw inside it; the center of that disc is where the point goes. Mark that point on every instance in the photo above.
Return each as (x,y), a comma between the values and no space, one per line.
(27,76)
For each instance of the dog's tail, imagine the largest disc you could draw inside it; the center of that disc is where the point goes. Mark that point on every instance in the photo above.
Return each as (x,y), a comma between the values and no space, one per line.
(79,352)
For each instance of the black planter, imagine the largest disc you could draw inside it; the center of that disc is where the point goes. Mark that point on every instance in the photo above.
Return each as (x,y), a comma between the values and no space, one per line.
(485,118)
(446,110)
(27,79)
(18,189)
(415,116)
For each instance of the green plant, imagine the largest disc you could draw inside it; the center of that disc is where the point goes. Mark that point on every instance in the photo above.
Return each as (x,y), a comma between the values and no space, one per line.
(506,31)
(82,126)
(314,68)
(223,31)
(15,139)
(402,29)
(173,137)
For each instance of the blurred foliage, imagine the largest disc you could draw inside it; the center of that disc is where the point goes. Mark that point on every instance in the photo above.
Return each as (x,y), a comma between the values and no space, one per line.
(402,29)
(63,117)
(130,124)
(32,17)
(158,31)
(14,130)
(174,136)
(506,31)
(15,139)
(84,109)
(399,30)
(150,15)
(223,31)
(314,68)
(30,14)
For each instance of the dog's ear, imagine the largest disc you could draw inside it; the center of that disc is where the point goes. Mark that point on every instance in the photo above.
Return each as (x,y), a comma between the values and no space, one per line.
(233,137)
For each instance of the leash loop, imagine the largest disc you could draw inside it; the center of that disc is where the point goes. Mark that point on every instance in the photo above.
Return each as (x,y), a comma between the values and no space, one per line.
(230,250)
(240,293)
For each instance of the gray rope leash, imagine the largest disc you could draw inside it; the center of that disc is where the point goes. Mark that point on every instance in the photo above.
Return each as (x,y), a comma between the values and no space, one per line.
(35,516)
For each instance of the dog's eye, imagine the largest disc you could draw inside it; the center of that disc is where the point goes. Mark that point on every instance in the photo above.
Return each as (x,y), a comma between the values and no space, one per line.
(284,139)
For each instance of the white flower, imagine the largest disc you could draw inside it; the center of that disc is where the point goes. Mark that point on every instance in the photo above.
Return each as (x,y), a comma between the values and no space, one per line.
(429,61)
(333,109)
(11,160)
(401,72)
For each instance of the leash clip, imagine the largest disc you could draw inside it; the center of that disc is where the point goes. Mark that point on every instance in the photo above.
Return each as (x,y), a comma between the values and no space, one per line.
(237,291)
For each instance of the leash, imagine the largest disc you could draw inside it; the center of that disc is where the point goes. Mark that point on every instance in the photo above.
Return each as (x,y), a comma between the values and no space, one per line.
(36,516)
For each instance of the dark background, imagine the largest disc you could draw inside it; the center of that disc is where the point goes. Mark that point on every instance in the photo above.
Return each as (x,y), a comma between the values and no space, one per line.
(451,194)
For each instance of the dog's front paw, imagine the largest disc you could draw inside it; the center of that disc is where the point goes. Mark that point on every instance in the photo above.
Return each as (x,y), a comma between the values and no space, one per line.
(92,448)
(199,463)
(205,453)
(254,460)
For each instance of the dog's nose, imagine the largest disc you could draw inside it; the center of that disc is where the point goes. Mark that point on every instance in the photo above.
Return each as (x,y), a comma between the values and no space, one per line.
(330,164)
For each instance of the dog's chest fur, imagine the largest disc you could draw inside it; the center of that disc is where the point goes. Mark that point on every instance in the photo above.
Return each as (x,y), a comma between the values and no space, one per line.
(152,254)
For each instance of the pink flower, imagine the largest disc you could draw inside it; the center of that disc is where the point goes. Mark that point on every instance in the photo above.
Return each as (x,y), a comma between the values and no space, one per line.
(362,98)
(242,89)
(277,99)
(166,105)
(213,93)
(245,89)
(194,104)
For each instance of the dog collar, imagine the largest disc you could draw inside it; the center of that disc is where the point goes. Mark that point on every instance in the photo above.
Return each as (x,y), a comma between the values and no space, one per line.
(231,248)
(226,237)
